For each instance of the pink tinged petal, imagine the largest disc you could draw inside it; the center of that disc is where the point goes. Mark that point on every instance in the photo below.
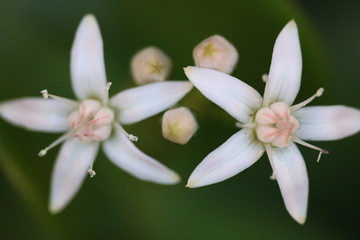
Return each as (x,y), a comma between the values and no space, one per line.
(45,115)
(72,164)
(234,96)
(123,153)
(321,123)
(282,139)
(286,65)
(290,172)
(265,116)
(280,109)
(87,61)
(236,154)
(266,134)
(142,102)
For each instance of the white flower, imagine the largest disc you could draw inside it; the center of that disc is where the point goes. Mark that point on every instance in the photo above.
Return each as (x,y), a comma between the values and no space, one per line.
(94,119)
(271,123)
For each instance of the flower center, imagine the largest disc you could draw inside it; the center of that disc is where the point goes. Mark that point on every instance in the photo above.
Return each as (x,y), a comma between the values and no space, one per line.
(91,121)
(275,124)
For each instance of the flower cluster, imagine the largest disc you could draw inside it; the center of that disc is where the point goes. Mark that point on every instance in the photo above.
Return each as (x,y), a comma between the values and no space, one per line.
(270,123)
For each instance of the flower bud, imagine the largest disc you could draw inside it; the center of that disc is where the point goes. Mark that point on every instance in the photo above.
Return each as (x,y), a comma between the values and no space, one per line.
(217,53)
(178,125)
(150,65)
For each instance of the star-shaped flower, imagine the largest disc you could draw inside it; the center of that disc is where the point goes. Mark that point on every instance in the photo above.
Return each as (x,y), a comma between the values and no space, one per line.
(272,123)
(94,119)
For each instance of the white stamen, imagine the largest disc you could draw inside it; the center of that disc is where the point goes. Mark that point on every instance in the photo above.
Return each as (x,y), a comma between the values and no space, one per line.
(108,85)
(45,93)
(244,125)
(273,176)
(265,77)
(107,88)
(318,93)
(133,138)
(91,172)
(301,142)
(44,151)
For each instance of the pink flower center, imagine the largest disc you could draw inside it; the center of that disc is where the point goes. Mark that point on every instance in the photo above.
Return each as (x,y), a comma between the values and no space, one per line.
(91,121)
(275,124)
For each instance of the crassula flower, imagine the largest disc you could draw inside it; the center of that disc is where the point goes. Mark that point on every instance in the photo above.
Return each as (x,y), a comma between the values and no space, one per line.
(94,119)
(271,123)
(216,53)
(150,65)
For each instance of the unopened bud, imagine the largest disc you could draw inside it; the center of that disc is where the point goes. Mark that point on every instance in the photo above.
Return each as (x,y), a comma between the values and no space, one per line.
(179,125)
(217,53)
(150,65)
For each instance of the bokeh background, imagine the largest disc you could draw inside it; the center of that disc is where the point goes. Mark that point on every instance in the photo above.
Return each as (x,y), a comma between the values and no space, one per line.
(35,42)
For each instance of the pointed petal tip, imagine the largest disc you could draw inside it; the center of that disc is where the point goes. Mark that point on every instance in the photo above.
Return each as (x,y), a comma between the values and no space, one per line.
(191,184)
(291,25)
(175,178)
(299,219)
(54,209)
(187,69)
(89,17)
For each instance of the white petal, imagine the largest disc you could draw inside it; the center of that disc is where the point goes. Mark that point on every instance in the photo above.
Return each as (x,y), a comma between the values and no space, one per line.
(290,172)
(123,153)
(70,169)
(87,61)
(285,71)
(139,103)
(38,114)
(327,122)
(236,154)
(234,96)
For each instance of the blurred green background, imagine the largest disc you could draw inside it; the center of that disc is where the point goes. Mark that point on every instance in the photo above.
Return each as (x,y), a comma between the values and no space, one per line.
(35,42)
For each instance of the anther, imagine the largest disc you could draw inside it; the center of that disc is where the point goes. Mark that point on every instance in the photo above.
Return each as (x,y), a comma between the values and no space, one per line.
(133,138)
(320,153)
(91,172)
(43,152)
(108,85)
(301,142)
(265,77)
(318,93)
(273,176)
(45,93)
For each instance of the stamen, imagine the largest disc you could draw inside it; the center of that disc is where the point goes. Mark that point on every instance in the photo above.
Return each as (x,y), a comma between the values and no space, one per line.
(131,137)
(91,172)
(273,176)
(318,93)
(244,125)
(108,85)
(44,151)
(301,142)
(107,88)
(265,77)
(268,149)
(46,95)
